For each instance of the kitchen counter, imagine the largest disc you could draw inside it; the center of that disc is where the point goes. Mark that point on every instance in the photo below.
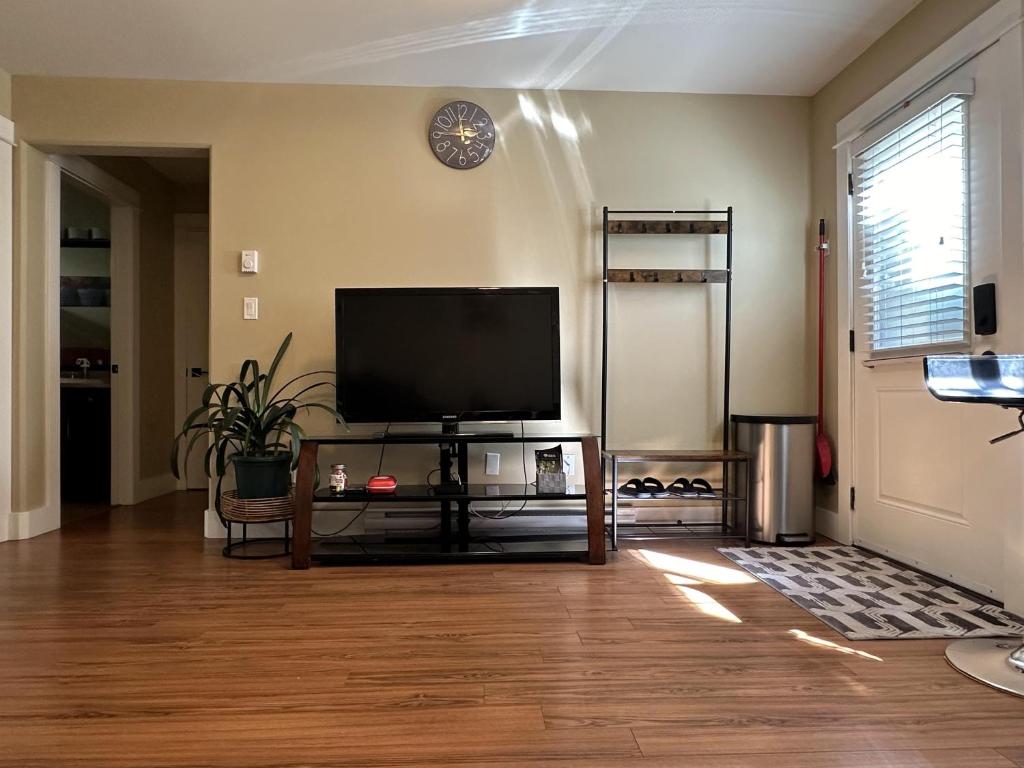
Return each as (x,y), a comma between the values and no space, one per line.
(87,383)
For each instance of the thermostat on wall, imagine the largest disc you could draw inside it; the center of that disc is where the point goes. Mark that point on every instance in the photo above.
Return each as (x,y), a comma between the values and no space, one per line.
(250,262)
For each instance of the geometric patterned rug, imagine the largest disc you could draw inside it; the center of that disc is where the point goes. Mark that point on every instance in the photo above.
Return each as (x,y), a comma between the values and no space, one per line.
(866,597)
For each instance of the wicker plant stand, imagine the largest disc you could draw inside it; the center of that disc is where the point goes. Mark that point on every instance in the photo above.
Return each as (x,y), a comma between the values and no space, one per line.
(233,510)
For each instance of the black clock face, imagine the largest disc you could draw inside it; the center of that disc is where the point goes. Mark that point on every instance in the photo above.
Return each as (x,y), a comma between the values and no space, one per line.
(461,135)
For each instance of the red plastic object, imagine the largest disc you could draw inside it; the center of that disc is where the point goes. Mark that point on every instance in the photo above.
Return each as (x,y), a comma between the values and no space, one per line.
(381,484)
(823,446)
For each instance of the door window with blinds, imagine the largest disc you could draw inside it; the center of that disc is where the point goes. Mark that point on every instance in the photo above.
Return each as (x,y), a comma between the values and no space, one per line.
(912,229)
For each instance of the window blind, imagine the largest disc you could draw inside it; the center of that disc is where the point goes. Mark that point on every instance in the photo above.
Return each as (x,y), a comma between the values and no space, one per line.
(911,233)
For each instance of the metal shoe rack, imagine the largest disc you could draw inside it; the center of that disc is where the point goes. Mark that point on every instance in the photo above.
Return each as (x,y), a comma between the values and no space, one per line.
(673,223)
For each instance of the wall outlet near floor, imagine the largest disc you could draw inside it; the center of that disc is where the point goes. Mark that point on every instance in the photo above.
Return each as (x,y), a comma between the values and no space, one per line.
(569,464)
(492,463)
(250,308)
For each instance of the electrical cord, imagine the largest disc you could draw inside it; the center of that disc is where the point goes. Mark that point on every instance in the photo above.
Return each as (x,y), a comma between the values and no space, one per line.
(366,504)
(502,515)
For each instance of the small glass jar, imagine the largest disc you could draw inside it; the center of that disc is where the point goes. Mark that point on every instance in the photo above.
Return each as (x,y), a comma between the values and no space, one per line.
(339,478)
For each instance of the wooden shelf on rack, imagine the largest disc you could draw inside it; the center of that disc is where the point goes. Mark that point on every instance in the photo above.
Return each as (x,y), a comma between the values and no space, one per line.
(668,275)
(677,227)
(707,455)
(83,242)
(673,501)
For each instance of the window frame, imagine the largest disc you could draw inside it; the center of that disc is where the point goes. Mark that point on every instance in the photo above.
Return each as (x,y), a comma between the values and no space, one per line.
(958,83)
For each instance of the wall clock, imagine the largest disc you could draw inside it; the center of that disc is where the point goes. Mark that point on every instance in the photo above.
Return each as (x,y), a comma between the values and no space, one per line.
(461,135)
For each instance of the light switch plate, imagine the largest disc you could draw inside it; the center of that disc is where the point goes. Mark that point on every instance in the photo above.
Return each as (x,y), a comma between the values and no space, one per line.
(250,262)
(569,464)
(492,462)
(250,308)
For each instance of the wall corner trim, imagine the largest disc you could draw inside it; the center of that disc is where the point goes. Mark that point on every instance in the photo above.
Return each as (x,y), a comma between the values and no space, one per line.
(6,131)
(30,523)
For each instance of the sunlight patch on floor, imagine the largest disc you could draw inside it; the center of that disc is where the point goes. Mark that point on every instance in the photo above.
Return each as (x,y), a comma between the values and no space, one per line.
(804,637)
(682,581)
(707,605)
(694,569)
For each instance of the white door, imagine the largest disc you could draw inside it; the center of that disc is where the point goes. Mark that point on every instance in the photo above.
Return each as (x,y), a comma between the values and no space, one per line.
(192,321)
(930,491)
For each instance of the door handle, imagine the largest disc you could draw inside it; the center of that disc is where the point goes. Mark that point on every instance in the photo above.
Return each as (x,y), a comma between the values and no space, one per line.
(197,373)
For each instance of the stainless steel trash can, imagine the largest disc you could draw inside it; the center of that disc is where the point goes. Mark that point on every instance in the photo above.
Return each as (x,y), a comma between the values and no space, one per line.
(782,463)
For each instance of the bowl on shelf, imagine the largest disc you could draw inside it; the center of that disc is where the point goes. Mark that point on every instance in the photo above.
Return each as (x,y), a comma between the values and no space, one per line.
(92,297)
(69,296)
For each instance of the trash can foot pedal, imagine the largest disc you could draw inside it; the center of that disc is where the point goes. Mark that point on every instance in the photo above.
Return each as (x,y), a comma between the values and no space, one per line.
(794,540)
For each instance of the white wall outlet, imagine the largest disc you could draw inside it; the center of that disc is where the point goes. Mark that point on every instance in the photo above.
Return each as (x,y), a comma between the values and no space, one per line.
(492,462)
(569,464)
(250,308)
(250,262)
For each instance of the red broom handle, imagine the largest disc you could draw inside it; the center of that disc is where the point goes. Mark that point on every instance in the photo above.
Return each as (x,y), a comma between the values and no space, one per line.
(822,250)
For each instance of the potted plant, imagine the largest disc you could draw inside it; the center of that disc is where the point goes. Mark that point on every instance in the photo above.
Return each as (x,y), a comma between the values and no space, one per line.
(252,425)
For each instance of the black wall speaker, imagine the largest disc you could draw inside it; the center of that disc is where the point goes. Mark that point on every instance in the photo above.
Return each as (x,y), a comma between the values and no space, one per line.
(985,309)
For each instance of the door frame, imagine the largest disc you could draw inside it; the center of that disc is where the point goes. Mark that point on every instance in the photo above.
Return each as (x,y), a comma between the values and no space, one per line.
(183,222)
(999,24)
(124,256)
(6,327)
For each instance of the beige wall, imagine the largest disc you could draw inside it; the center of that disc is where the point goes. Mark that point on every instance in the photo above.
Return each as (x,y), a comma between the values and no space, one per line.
(336,186)
(5,94)
(917,34)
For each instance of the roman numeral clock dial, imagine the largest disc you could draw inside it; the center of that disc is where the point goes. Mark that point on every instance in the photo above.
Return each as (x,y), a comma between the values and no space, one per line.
(461,135)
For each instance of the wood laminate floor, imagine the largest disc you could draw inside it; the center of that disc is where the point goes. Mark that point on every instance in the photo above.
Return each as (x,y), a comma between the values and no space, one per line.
(126,640)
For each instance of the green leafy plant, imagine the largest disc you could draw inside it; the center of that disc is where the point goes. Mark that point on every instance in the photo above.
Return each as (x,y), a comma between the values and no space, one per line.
(250,416)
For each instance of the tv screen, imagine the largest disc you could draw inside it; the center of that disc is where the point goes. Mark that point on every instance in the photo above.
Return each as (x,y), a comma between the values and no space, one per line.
(447,354)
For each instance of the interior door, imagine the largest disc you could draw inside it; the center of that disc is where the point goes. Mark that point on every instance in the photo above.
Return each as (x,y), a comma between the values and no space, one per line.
(192,305)
(929,489)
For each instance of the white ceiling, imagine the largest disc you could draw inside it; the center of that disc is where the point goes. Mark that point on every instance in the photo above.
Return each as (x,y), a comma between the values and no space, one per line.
(702,46)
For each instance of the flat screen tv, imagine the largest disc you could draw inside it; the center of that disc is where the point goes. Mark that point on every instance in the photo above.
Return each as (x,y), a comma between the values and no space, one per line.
(446,355)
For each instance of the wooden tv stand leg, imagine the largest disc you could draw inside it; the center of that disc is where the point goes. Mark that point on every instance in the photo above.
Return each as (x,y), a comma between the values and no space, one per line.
(594,485)
(302,530)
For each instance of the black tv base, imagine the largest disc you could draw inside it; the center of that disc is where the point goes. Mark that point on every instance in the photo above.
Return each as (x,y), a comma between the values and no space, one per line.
(411,547)
(454,540)
(442,434)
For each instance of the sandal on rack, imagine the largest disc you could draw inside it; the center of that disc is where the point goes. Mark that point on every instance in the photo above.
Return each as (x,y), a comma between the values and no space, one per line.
(654,487)
(634,489)
(703,488)
(682,488)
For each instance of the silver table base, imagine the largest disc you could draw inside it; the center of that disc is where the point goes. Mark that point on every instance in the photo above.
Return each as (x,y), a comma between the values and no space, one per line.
(997,662)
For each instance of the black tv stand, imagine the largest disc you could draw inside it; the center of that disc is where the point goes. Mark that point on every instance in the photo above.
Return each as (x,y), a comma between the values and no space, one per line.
(454,540)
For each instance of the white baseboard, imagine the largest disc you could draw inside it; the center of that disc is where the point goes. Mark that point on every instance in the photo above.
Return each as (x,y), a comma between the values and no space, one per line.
(32,522)
(212,529)
(150,487)
(826,522)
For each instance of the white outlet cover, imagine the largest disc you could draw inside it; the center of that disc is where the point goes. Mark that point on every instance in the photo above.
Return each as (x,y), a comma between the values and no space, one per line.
(250,262)
(492,463)
(250,308)
(569,464)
